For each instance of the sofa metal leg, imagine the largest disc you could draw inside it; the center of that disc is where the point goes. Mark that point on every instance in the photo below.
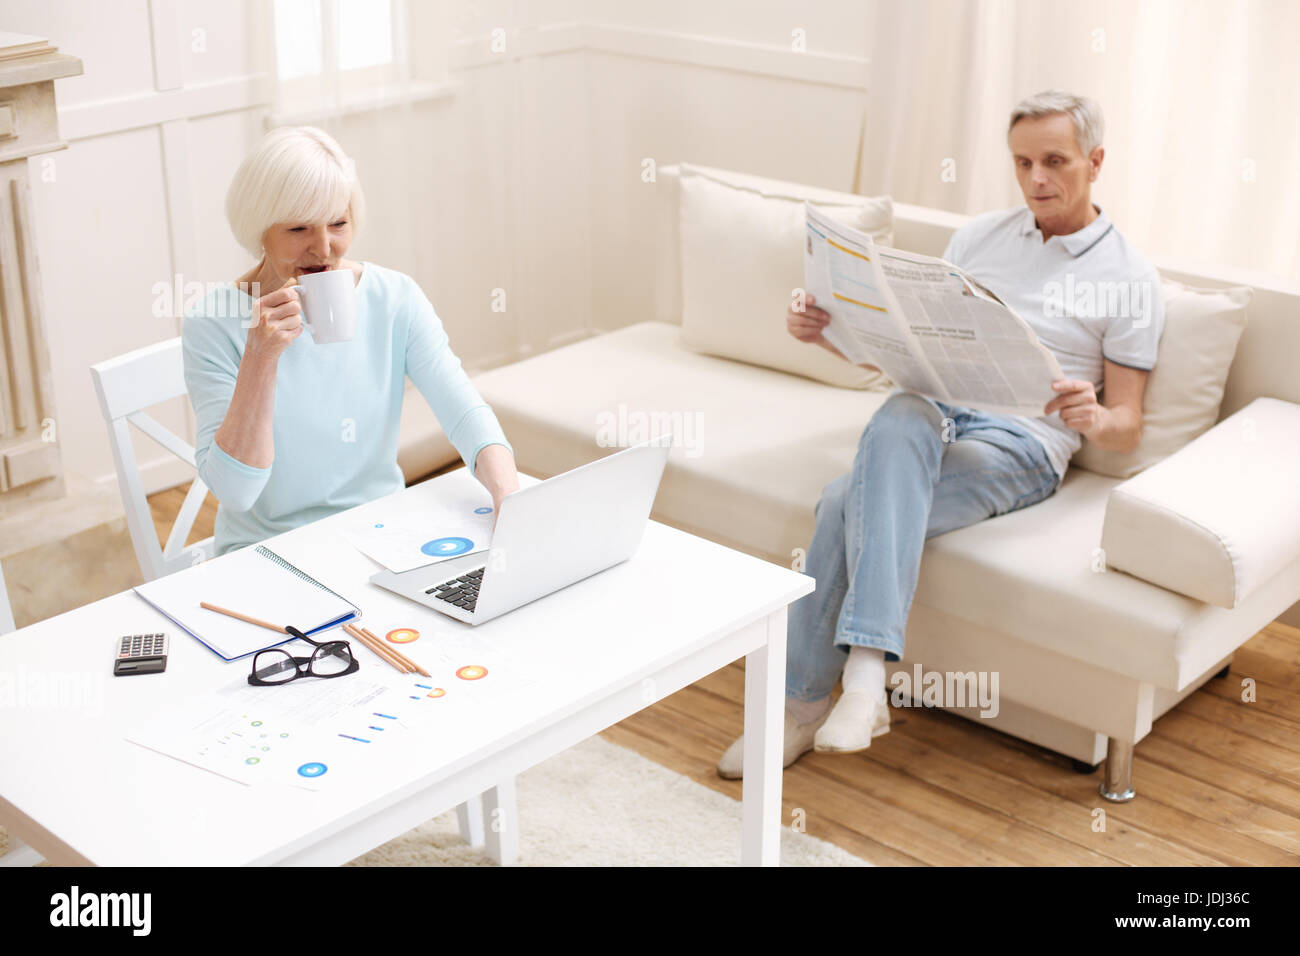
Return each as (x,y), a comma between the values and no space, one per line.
(1117,785)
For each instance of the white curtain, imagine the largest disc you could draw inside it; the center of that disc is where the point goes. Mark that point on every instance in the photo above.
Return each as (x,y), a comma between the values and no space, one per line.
(1201,100)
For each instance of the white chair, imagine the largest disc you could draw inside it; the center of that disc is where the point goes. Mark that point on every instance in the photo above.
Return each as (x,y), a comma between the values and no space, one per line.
(126,386)
(131,383)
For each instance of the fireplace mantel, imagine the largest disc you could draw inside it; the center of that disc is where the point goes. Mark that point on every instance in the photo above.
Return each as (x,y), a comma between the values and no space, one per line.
(30,466)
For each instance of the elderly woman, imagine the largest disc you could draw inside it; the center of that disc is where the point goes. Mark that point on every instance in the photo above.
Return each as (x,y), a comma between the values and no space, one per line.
(289,430)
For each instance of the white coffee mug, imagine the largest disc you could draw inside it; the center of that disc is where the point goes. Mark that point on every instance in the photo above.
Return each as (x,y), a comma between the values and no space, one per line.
(329,304)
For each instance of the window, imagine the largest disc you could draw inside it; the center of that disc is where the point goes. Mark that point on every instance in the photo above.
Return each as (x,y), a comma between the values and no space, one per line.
(341,56)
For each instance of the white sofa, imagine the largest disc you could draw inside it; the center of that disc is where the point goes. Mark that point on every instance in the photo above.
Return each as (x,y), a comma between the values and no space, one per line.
(1087,656)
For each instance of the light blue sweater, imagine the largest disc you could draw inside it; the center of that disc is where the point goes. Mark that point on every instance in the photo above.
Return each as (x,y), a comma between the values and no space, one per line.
(337,407)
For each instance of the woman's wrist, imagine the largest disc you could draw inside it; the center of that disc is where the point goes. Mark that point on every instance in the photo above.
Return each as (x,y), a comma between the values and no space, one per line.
(495,469)
(259,359)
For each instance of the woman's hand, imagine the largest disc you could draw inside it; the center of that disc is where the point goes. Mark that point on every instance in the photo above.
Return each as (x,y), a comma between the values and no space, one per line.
(495,469)
(277,321)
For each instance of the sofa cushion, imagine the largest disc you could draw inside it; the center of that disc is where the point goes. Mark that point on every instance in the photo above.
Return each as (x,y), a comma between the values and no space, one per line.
(723,478)
(741,248)
(1219,518)
(1185,389)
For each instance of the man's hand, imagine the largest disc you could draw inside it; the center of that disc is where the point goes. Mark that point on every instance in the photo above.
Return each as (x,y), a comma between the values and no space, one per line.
(1115,426)
(1077,402)
(809,325)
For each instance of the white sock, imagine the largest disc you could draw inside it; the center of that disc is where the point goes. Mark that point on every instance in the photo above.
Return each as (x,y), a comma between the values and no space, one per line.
(807,711)
(864,671)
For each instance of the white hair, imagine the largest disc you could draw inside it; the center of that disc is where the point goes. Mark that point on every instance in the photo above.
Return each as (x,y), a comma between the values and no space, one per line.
(1085,113)
(295,174)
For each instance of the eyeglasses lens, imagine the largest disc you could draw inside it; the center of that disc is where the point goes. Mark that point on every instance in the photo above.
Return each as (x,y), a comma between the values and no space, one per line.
(274,667)
(331,659)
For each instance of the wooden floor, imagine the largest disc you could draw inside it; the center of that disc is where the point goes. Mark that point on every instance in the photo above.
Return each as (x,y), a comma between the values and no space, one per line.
(1218,779)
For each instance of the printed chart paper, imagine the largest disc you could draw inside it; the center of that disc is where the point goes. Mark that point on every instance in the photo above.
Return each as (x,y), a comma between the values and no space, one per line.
(312,732)
(405,540)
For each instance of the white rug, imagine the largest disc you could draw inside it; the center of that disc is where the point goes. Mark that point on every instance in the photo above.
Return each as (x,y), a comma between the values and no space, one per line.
(599,804)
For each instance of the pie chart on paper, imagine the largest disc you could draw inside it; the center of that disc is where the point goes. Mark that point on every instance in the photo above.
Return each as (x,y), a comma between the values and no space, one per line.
(460,524)
(447,547)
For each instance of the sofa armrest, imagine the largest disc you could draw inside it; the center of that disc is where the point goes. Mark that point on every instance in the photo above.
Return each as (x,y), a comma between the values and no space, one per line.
(1219,517)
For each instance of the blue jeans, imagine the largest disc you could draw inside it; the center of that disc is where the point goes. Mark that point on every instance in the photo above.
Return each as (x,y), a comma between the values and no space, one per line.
(923,467)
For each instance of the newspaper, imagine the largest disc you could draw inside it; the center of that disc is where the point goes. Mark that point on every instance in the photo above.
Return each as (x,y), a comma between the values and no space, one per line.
(925,323)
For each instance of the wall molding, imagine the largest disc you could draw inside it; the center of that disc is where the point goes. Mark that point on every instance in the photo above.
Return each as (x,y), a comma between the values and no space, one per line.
(157,474)
(709,52)
(255,90)
(155,107)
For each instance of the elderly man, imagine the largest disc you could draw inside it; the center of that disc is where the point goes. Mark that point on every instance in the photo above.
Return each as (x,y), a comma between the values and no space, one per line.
(924,467)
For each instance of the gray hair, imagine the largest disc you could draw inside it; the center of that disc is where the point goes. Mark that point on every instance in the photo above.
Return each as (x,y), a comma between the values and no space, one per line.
(1085,113)
(296,174)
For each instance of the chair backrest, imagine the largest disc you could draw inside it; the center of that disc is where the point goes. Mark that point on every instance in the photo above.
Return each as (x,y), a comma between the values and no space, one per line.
(127,385)
(6,612)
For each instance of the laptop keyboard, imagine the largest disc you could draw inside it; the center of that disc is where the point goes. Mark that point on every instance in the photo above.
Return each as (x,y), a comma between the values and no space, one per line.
(461,591)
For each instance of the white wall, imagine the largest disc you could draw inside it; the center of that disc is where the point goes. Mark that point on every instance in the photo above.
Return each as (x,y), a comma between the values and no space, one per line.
(526,178)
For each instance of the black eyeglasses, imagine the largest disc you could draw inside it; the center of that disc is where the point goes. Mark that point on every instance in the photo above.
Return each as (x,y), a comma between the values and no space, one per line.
(277,666)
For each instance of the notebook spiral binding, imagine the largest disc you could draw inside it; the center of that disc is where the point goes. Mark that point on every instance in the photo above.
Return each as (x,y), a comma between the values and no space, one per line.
(268,553)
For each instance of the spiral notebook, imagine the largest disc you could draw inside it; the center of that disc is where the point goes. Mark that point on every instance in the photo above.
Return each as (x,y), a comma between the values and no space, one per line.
(253,581)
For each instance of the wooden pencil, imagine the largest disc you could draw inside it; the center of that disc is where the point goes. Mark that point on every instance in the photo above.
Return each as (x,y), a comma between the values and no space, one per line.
(382,652)
(404,659)
(243,617)
(378,649)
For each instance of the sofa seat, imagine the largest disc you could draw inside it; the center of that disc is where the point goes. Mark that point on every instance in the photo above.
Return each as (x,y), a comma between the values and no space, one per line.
(1029,574)
(729,487)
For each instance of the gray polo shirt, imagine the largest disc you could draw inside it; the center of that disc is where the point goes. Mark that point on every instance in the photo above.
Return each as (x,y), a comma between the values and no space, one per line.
(1088,296)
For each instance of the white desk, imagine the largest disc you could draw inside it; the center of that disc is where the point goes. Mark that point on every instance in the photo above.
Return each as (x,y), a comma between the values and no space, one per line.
(71,786)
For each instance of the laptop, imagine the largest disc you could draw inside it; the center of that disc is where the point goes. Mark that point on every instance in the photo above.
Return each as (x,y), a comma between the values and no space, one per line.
(548,536)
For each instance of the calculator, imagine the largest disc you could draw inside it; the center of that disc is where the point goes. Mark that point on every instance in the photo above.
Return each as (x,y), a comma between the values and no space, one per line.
(141,654)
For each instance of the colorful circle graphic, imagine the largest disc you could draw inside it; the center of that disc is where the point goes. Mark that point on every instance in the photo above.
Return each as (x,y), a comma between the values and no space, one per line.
(437,692)
(253,760)
(312,769)
(483,511)
(403,635)
(472,672)
(447,547)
